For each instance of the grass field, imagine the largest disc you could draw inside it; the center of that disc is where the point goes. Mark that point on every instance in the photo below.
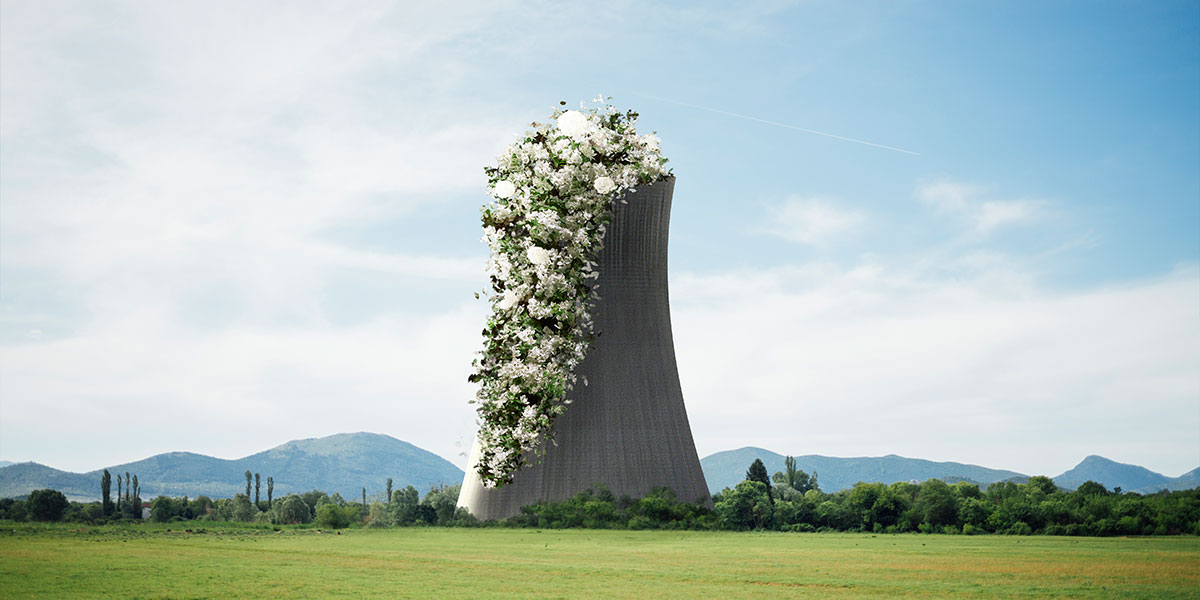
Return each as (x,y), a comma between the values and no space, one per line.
(150,561)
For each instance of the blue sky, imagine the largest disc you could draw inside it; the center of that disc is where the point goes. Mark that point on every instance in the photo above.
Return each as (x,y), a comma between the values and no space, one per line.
(224,226)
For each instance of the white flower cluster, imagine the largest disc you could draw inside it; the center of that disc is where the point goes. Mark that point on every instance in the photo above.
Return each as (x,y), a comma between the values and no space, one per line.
(553,194)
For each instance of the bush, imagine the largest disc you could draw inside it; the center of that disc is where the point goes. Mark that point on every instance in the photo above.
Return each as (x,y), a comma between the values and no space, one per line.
(162,509)
(1055,529)
(1128,526)
(243,509)
(1019,528)
(378,516)
(290,510)
(332,516)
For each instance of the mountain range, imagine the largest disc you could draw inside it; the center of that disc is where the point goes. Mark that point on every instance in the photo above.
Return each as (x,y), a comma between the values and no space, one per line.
(726,469)
(346,463)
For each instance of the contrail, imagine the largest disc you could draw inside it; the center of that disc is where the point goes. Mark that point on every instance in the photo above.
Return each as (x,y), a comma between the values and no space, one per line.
(777,124)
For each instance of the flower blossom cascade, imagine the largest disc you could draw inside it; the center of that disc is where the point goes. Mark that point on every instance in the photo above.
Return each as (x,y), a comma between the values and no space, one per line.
(552,197)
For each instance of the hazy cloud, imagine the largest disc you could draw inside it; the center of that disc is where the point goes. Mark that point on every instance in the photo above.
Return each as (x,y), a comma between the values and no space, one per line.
(872,360)
(970,203)
(812,221)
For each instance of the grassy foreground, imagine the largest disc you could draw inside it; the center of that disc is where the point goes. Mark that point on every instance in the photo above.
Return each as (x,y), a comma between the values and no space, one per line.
(149,561)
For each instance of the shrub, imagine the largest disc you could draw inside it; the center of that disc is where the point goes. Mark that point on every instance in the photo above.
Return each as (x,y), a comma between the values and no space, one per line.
(1055,529)
(243,509)
(1019,528)
(332,516)
(162,509)
(290,510)
(378,516)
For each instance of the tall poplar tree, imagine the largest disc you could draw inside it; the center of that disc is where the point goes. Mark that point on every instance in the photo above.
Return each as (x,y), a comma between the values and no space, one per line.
(248,477)
(106,505)
(389,490)
(270,490)
(257,487)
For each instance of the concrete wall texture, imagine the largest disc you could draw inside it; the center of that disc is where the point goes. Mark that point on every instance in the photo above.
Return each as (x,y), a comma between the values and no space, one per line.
(627,428)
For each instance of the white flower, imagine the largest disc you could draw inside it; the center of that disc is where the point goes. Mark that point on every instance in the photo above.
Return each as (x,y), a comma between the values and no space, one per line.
(604,185)
(553,193)
(538,255)
(573,124)
(509,300)
(504,189)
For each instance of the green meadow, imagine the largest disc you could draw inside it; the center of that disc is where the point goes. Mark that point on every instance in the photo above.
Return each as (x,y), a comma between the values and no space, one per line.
(158,561)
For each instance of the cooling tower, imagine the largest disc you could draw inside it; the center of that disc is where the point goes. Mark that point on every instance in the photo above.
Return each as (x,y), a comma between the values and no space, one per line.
(626,429)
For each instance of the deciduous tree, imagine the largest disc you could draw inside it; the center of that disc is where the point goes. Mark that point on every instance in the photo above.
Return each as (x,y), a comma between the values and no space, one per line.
(46,505)
(935,503)
(794,478)
(332,516)
(290,510)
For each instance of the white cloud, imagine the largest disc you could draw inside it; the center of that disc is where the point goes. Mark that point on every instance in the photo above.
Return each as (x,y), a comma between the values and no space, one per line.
(163,160)
(871,360)
(991,215)
(235,392)
(947,196)
(206,149)
(968,202)
(813,221)
(167,161)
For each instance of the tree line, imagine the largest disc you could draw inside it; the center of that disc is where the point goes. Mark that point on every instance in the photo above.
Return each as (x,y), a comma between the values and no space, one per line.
(933,506)
(790,500)
(403,507)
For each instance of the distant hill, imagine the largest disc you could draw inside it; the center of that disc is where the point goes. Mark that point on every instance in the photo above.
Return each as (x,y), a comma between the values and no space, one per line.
(726,469)
(342,463)
(1188,480)
(5,463)
(1130,478)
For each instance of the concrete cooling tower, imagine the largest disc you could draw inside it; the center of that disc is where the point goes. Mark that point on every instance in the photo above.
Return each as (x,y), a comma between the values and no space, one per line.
(626,429)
